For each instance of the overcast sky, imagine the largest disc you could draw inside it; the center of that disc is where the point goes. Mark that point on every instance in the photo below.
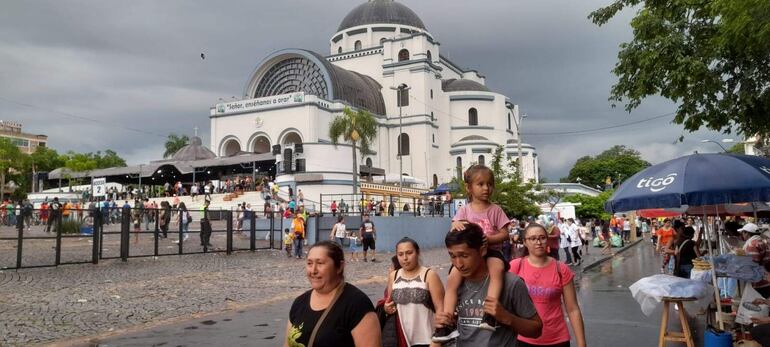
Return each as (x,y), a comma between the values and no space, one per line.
(135,66)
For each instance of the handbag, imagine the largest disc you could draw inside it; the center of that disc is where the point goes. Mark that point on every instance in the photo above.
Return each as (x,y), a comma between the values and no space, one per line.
(317,326)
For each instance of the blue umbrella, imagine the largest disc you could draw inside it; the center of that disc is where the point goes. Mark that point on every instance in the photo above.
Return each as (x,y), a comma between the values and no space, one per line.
(695,180)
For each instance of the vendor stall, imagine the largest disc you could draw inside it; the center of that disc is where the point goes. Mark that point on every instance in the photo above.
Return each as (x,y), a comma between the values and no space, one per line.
(713,183)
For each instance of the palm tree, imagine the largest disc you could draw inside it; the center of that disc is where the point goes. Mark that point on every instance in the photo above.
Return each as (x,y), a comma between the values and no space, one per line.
(174,144)
(357,128)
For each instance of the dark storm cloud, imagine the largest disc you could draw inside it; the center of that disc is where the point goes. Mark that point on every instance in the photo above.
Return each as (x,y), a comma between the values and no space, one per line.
(136,65)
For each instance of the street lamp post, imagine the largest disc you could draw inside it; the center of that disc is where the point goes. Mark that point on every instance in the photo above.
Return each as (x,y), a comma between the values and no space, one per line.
(518,142)
(140,180)
(400,90)
(719,144)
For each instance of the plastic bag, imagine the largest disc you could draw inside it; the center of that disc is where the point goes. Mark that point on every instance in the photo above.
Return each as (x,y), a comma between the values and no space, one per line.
(747,310)
(649,292)
(616,241)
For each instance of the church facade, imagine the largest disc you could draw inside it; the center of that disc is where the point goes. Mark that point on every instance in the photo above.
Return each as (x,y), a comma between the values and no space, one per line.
(452,120)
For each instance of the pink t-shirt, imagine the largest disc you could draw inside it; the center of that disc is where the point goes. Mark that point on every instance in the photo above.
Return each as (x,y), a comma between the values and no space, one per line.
(491,220)
(545,290)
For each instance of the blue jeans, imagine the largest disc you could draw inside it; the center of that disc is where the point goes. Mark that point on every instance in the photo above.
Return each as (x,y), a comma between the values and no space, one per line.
(340,240)
(298,248)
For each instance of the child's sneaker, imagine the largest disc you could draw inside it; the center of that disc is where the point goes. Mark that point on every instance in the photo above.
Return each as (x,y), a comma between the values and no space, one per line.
(488,323)
(445,334)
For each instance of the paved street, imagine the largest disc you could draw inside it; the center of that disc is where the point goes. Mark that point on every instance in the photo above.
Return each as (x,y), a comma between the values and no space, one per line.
(610,312)
(241,299)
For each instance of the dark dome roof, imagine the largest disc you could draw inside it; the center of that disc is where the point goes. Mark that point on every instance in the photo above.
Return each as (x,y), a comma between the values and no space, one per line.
(455,85)
(299,70)
(381,12)
(193,151)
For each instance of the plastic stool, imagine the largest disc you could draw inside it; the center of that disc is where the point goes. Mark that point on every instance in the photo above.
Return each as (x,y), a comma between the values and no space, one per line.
(683,336)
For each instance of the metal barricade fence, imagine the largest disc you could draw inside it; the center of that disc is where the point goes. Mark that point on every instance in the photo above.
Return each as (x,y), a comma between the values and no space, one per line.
(48,237)
(352,205)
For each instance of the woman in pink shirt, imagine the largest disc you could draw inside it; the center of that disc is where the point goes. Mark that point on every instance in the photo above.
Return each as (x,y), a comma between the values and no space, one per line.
(549,282)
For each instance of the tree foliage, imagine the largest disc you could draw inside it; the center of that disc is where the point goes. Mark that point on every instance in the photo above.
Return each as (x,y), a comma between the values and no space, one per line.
(619,163)
(91,161)
(360,129)
(590,206)
(174,143)
(44,159)
(10,163)
(711,57)
(738,148)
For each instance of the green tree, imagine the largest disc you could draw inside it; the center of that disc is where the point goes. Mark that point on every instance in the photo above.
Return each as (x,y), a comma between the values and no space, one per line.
(360,129)
(711,57)
(618,163)
(109,159)
(10,163)
(174,143)
(738,148)
(44,159)
(590,206)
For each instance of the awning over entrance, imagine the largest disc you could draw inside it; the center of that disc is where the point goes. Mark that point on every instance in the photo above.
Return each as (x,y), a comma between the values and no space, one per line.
(170,170)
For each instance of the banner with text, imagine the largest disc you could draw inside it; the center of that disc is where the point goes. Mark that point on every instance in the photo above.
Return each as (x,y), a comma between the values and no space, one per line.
(261,103)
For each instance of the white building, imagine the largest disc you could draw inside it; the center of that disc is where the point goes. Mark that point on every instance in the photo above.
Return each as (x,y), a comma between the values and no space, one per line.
(452,121)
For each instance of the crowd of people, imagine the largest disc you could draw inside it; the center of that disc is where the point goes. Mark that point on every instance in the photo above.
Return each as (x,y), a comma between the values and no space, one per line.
(489,299)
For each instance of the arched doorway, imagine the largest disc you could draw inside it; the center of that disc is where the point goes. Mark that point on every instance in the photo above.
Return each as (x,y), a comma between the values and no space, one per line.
(230,147)
(261,145)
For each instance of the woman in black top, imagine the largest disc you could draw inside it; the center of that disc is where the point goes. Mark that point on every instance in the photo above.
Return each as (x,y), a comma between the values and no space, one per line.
(351,320)
(684,251)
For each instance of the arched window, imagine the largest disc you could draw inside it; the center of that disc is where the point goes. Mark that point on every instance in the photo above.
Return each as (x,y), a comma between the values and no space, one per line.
(509,121)
(431,116)
(357,45)
(434,138)
(435,181)
(431,94)
(403,141)
(430,57)
(382,41)
(339,50)
(261,145)
(403,55)
(473,117)
(368,162)
(482,160)
(460,162)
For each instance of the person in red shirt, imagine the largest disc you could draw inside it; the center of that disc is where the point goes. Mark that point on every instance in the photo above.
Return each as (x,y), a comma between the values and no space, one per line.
(666,235)
(549,283)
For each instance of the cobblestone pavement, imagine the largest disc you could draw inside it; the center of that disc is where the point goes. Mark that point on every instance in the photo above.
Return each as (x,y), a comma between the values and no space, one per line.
(49,304)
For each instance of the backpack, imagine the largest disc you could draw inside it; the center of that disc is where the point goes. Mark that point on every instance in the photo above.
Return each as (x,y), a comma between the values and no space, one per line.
(298,230)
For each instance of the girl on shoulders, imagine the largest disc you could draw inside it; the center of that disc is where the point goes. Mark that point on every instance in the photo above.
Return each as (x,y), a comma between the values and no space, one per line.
(480,184)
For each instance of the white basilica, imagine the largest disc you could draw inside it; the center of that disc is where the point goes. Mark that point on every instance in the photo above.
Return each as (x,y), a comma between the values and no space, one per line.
(452,119)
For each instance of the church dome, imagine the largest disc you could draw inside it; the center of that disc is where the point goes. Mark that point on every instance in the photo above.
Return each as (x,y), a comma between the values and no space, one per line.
(459,85)
(381,12)
(194,151)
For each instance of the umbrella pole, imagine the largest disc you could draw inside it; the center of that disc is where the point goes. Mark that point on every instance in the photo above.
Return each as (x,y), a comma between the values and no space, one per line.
(714,278)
